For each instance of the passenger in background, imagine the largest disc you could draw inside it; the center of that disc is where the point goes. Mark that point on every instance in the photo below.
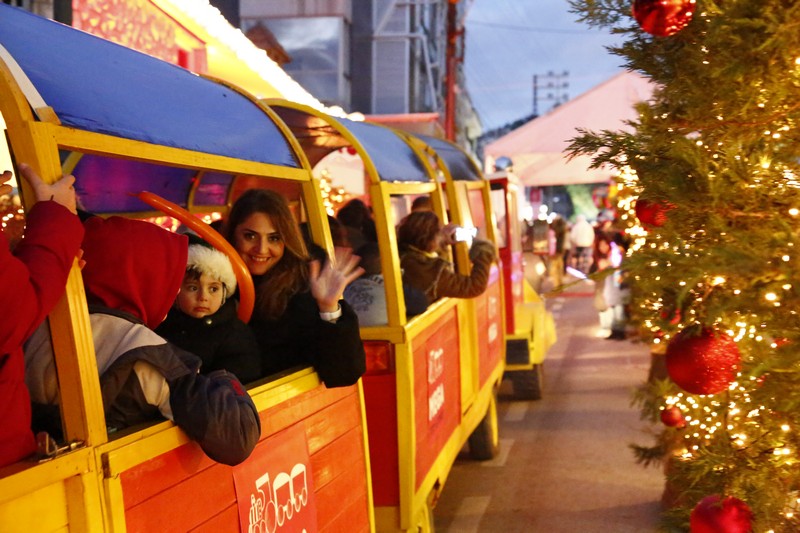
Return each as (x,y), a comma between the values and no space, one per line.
(298,317)
(419,236)
(204,321)
(422,203)
(356,218)
(339,234)
(367,295)
(34,277)
(133,272)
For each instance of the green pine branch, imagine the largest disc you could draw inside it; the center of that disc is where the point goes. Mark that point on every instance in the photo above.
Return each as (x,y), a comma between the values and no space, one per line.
(719,143)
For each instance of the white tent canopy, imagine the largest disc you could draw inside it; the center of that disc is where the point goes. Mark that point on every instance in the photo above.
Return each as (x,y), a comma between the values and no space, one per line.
(537,148)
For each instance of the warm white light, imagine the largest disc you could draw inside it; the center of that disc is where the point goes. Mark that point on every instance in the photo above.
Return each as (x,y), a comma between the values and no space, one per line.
(210,18)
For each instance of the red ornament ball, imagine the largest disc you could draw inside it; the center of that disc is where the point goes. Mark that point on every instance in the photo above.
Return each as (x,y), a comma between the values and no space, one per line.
(702,364)
(716,515)
(651,213)
(663,18)
(673,417)
(673,316)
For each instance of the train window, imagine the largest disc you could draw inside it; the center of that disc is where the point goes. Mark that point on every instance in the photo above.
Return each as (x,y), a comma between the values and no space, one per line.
(12,217)
(477,212)
(501,216)
(400,207)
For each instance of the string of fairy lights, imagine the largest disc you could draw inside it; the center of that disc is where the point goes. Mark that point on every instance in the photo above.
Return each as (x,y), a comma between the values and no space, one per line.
(332,197)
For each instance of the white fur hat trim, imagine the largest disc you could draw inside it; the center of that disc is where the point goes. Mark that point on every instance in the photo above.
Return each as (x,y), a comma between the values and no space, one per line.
(214,263)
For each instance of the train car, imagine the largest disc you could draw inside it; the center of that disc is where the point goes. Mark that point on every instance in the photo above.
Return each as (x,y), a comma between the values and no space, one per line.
(431,382)
(468,205)
(490,205)
(123,122)
(530,329)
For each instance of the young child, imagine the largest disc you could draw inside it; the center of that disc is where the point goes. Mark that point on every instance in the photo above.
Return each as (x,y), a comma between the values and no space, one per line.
(204,321)
(133,270)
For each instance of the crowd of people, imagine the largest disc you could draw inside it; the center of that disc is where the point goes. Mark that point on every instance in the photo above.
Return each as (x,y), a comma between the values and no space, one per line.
(593,250)
(163,310)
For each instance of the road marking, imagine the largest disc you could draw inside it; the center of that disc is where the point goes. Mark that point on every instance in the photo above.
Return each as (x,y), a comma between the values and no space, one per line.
(469,514)
(502,455)
(516,411)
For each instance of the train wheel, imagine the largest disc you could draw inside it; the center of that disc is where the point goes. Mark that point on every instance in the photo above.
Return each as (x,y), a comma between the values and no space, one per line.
(528,383)
(484,443)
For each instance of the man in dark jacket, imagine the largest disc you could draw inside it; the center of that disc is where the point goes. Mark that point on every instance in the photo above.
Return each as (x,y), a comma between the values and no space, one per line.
(133,272)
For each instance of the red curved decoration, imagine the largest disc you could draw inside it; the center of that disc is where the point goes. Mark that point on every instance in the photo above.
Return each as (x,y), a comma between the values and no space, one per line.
(211,236)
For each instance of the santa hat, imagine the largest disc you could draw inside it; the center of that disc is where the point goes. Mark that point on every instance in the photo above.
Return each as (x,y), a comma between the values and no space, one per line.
(213,263)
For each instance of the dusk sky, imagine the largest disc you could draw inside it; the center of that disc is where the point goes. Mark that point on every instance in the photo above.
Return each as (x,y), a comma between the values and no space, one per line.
(508,41)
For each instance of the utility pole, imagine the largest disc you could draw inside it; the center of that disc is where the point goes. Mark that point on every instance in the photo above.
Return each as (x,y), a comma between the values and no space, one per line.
(554,87)
(454,38)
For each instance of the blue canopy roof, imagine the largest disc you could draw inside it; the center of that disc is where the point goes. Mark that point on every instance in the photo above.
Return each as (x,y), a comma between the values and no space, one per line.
(394,159)
(458,163)
(99,86)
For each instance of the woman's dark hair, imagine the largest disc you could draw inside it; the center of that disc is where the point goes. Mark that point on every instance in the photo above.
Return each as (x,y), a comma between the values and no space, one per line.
(419,229)
(370,258)
(290,275)
(353,214)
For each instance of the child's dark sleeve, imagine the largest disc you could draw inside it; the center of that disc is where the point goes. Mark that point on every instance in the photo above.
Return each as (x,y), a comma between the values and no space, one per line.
(240,354)
(217,412)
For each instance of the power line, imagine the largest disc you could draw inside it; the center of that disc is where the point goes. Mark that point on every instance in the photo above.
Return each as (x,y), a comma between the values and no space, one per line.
(525,28)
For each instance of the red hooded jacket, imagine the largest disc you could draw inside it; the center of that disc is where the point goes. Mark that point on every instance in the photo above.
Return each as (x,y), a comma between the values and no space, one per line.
(132,275)
(33,279)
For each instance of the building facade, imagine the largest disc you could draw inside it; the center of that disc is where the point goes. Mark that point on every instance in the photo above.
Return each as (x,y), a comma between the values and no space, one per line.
(377,57)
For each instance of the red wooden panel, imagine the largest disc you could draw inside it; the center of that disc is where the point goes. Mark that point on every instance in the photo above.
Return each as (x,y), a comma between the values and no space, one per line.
(149,479)
(300,407)
(490,328)
(336,419)
(380,392)
(204,491)
(437,389)
(207,494)
(354,518)
(513,276)
(346,453)
(344,503)
(227,520)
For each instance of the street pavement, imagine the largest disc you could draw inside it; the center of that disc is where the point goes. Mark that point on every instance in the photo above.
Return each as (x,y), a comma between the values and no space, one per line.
(565,465)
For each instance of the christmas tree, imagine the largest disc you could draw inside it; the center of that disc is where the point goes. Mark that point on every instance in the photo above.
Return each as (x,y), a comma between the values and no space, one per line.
(712,170)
